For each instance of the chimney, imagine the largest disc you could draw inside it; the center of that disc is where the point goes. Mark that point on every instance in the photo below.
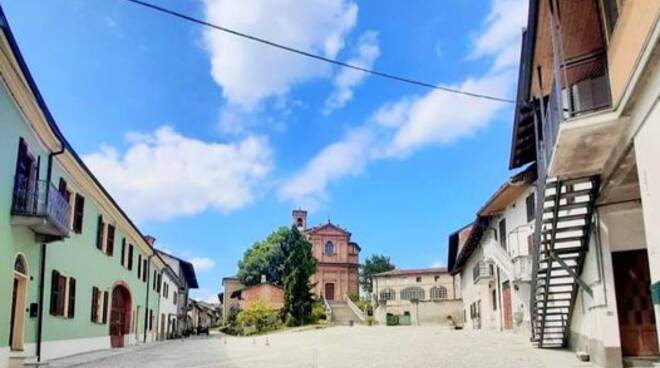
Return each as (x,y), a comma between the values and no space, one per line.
(263,279)
(150,239)
(300,219)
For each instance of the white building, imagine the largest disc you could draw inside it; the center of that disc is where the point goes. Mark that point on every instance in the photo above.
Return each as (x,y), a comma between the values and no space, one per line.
(169,304)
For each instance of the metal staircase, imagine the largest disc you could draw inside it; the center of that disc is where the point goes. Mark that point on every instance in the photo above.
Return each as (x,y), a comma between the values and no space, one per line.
(564,222)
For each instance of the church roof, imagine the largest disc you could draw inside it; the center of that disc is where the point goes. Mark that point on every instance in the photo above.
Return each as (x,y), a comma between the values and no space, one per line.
(330,225)
(412,271)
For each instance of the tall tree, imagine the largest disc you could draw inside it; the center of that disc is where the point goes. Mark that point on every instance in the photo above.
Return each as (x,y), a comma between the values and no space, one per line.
(264,257)
(299,267)
(374,264)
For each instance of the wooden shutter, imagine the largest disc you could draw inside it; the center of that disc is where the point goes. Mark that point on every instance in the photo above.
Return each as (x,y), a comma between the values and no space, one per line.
(139,262)
(95,304)
(79,209)
(105,307)
(61,287)
(144,270)
(155,281)
(100,227)
(62,188)
(122,259)
(530,207)
(503,233)
(130,256)
(110,246)
(72,298)
(54,292)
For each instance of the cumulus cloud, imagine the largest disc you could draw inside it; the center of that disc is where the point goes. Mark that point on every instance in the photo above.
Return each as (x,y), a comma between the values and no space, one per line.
(202,263)
(400,127)
(164,174)
(249,72)
(347,79)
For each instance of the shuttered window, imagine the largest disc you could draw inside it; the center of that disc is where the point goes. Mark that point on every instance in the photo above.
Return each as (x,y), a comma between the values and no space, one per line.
(78,210)
(503,233)
(155,281)
(110,245)
(144,270)
(100,228)
(95,304)
(139,262)
(530,207)
(123,252)
(55,293)
(105,307)
(130,256)
(59,304)
(71,305)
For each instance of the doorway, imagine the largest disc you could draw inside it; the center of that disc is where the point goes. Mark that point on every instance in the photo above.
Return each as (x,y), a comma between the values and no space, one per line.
(330,291)
(506,306)
(119,316)
(18,301)
(632,282)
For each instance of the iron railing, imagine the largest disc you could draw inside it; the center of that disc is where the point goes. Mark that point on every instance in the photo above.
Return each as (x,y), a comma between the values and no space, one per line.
(482,270)
(39,198)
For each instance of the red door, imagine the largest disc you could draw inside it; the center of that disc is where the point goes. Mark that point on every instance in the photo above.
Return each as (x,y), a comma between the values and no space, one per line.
(632,282)
(506,306)
(119,316)
(330,291)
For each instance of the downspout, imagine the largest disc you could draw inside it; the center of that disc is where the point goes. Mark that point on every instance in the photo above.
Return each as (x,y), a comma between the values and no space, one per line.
(146,302)
(42,263)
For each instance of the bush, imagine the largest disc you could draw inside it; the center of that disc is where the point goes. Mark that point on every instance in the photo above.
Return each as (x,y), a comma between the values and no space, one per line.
(318,311)
(259,317)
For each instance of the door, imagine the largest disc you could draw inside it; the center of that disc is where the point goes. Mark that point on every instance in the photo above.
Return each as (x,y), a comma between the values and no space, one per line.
(330,291)
(162,326)
(506,306)
(634,307)
(119,316)
(18,301)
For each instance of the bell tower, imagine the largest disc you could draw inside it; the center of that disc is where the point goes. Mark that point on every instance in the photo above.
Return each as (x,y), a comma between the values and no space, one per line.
(299,219)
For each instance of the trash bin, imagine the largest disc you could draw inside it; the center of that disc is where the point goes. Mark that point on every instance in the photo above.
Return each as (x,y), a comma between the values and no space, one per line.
(392,320)
(405,320)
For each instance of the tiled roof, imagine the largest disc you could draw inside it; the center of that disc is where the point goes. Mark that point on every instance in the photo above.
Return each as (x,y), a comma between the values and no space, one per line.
(323,226)
(413,271)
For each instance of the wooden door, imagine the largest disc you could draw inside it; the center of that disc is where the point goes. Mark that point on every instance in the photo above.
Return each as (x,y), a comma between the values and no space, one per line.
(634,307)
(119,316)
(12,321)
(330,291)
(506,306)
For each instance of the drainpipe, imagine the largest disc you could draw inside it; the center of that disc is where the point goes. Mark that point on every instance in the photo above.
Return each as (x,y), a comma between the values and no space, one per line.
(146,302)
(42,263)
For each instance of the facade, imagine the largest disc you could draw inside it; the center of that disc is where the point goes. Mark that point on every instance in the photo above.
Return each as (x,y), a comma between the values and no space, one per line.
(588,116)
(269,294)
(77,272)
(170,290)
(336,276)
(426,295)
(229,286)
(185,272)
(494,266)
(202,315)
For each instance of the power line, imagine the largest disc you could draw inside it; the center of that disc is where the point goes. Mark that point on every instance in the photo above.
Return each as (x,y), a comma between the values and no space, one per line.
(316,56)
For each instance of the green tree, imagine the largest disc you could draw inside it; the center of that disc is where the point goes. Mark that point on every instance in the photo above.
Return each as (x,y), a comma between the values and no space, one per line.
(258,316)
(298,268)
(264,257)
(374,264)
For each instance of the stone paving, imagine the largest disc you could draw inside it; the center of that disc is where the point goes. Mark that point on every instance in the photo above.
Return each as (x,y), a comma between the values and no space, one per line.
(342,346)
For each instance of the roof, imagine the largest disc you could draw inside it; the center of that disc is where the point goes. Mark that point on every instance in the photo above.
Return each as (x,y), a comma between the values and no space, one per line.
(356,245)
(471,243)
(412,271)
(186,267)
(4,25)
(456,241)
(326,226)
(508,192)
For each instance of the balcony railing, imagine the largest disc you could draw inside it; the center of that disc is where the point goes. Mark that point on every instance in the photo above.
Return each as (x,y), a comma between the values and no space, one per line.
(39,205)
(522,268)
(483,271)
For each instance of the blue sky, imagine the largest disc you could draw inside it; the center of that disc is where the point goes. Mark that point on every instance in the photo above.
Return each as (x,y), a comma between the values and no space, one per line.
(209,141)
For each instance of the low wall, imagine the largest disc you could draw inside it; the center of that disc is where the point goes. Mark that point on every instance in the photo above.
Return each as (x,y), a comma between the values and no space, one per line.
(423,312)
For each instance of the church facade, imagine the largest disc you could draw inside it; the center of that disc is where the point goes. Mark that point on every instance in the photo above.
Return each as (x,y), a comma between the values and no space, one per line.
(338,258)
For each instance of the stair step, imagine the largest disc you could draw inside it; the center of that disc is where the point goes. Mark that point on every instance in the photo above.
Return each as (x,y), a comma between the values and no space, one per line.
(580,216)
(573,194)
(567,207)
(564,229)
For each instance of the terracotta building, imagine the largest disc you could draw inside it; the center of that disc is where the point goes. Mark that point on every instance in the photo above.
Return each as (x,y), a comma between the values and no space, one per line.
(267,293)
(337,272)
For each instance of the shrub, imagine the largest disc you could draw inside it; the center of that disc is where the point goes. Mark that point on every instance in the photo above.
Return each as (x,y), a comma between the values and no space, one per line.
(259,317)
(318,311)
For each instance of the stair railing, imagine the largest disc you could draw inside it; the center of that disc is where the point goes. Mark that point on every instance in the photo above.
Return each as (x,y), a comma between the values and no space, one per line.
(328,309)
(356,310)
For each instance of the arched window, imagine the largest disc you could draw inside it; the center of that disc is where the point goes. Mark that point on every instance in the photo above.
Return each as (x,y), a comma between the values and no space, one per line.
(411,293)
(438,292)
(20,265)
(300,222)
(329,248)
(387,294)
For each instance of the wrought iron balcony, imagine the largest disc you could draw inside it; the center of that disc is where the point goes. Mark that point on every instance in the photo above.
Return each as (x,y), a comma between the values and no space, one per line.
(483,272)
(40,206)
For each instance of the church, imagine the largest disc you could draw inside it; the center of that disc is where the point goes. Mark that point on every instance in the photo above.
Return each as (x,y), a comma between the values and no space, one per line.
(338,258)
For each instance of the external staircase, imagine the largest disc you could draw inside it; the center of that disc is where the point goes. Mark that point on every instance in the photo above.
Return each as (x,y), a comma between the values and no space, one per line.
(342,314)
(563,223)
(495,253)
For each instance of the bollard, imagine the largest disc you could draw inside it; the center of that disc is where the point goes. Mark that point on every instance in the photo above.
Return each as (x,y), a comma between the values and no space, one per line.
(267,341)
(254,341)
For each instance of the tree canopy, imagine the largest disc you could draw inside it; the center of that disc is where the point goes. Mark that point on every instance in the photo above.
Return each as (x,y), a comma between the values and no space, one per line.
(376,263)
(264,257)
(298,268)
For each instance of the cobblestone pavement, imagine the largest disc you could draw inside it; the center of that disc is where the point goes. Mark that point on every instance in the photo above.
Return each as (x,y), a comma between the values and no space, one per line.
(355,347)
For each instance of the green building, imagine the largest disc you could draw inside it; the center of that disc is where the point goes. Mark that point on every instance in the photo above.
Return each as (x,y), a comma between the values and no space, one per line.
(75,273)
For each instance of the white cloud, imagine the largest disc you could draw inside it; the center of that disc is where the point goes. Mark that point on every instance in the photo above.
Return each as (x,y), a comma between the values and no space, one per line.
(347,79)
(248,71)
(437,264)
(202,263)
(400,127)
(164,174)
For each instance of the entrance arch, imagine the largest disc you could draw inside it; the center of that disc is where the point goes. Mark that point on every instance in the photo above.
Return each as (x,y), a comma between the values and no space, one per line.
(120,315)
(18,301)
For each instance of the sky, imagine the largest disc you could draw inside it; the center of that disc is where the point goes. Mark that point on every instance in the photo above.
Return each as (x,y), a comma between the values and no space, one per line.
(208,141)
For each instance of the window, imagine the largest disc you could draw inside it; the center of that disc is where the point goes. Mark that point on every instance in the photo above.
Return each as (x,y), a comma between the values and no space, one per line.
(100,229)
(503,233)
(99,306)
(329,248)
(438,292)
(160,279)
(155,281)
(110,241)
(122,259)
(611,9)
(530,207)
(436,278)
(412,293)
(387,294)
(62,295)
(139,270)
(144,269)
(494,296)
(174,298)
(418,279)
(151,319)
(130,256)
(78,211)
(530,244)
(165,290)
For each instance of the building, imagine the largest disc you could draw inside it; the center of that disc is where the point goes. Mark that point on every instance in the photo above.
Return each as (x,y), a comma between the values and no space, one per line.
(269,294)
(229,286)
(426,295)
(494,264)
(78,272)
(170,290)
(185,272)
(336,276)
(202,315)
(587,115)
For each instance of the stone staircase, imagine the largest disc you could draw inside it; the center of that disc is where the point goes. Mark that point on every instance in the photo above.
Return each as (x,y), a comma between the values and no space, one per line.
(342,314)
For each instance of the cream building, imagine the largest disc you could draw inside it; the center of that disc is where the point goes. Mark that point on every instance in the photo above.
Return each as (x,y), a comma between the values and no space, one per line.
(426,295)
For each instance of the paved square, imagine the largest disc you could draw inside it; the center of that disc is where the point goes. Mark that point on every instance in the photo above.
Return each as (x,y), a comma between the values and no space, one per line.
(357,347)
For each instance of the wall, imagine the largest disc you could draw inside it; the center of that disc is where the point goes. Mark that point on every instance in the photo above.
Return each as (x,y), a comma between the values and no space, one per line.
(339,268)
(270,295)
(168,305)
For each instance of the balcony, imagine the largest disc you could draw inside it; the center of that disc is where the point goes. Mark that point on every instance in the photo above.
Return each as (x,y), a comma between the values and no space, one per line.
(522,269)
(38,205)
(483,273)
